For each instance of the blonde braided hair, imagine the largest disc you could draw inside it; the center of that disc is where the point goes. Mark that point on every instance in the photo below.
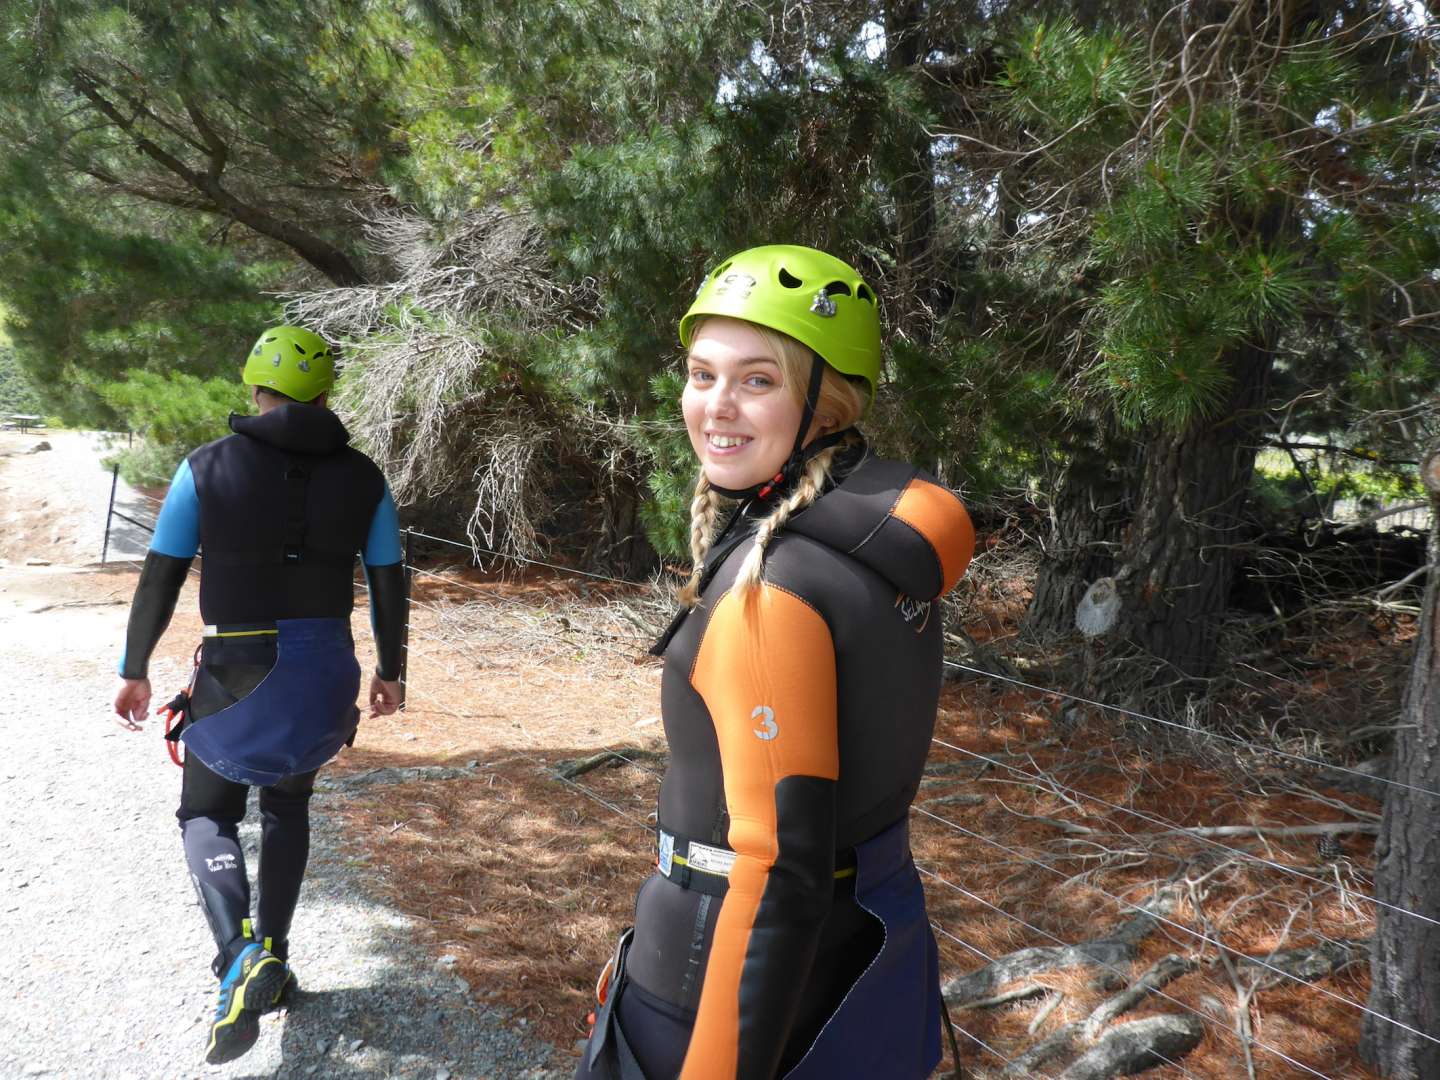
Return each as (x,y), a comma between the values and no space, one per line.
(812,482)
(704,509)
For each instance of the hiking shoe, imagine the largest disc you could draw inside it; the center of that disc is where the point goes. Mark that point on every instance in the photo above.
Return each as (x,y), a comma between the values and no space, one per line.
(291,985)
(250,987)
(286,994)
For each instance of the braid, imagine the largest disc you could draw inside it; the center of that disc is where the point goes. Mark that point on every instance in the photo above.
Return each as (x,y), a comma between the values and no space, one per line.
(747,581)
(704,508)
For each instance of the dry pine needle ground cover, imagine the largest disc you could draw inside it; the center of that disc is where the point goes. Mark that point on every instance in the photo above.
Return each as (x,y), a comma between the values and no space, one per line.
(525,879)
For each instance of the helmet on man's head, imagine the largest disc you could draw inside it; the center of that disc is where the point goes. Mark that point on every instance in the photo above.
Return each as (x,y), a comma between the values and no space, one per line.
(292,361)
(813,297)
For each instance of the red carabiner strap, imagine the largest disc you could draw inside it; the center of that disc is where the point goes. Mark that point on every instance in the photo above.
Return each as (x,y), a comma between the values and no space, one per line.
(178,706)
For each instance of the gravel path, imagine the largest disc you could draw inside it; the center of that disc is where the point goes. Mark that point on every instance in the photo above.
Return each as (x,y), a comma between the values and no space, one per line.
(54,500)
(113,977)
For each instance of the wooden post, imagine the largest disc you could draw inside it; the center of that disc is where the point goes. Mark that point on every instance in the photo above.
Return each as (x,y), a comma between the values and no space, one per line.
(109,512)
(405,632)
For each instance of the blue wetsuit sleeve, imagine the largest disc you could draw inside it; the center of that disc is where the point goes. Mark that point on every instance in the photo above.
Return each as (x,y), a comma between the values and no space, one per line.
(177,531)
(382,546)
(172,548)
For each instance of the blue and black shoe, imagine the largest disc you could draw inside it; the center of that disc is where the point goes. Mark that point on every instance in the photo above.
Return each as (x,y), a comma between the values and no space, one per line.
(291,986)
(250,986)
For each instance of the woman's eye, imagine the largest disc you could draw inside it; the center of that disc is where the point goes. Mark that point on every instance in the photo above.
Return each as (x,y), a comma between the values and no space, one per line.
(761,381)
(700,375)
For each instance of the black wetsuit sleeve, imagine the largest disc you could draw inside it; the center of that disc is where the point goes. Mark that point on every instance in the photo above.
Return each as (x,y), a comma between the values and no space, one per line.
(150,611)
(388,608)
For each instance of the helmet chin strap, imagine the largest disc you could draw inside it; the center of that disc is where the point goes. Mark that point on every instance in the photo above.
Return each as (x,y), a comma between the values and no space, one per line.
(799,454)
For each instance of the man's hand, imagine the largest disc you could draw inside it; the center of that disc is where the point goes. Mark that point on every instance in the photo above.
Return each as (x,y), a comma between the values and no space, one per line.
(384,696)
(132,703)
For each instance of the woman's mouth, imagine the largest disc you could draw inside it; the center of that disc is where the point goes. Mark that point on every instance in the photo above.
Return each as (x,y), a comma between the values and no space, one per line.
(726,444)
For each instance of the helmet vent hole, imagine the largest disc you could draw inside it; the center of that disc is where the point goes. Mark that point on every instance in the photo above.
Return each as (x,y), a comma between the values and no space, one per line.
(789,280)
(864,293)
(298,347)
(837,288)
(722,270)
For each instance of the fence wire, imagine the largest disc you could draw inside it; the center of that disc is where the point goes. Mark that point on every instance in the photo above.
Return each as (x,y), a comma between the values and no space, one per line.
(1168,826)
(1044,781)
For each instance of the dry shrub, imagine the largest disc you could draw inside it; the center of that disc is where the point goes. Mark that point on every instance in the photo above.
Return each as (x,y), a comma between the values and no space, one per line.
(439,386)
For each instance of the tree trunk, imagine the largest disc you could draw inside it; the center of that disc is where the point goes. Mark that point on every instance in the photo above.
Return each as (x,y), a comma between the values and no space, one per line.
(1088,518)
(1180,557)
(1405,978)
(916,282)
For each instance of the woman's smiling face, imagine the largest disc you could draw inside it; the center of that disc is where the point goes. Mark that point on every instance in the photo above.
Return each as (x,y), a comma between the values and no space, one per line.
(740,415)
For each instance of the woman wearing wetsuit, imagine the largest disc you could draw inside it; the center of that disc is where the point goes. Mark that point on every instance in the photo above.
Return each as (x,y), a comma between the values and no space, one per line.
(784,930)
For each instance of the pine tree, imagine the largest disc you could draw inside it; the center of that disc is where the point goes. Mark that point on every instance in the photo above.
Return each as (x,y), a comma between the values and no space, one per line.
(1208,258)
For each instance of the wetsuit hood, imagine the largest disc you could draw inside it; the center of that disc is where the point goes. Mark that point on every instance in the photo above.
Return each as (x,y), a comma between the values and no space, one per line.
(895,520)
(295,429)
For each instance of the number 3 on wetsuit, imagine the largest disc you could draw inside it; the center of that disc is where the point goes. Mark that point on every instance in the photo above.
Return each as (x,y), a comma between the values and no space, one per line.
(768,729)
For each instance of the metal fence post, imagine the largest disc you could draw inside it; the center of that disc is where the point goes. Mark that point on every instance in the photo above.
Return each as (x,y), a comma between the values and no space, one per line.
(405,632)
(109,512)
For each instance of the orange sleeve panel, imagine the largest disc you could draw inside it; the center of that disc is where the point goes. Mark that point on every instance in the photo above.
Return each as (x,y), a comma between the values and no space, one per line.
(940,517)
(766,671)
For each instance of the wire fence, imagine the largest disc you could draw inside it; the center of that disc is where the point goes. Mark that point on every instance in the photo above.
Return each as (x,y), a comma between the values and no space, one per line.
(437,647)
(1158,825)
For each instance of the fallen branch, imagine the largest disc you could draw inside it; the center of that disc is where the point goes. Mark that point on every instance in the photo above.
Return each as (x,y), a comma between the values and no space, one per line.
(1020,993)
(955,800)
(1328,828)
(569,770)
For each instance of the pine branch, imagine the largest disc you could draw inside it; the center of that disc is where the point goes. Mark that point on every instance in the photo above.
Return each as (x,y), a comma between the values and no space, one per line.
(319,253)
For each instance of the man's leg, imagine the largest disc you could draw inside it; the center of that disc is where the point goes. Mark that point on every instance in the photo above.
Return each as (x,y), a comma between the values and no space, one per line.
(211,809)
(284,852)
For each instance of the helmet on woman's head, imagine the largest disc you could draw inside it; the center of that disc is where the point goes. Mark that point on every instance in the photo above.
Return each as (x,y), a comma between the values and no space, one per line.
(292,361)
(813,297)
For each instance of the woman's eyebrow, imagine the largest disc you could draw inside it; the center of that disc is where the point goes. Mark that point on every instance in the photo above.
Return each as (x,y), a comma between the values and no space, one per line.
(748,361)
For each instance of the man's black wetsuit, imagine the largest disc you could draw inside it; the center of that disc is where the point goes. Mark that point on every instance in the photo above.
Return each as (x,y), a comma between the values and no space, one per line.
(799,721)
(280,509)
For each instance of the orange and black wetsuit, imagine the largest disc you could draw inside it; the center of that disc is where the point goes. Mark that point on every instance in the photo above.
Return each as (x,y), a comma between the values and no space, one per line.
(799,720)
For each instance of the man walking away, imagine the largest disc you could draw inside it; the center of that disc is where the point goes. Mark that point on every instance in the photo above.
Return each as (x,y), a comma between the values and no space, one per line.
(280,509)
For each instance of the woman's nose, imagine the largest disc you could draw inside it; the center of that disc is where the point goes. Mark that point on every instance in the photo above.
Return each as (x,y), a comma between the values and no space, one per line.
(720,402)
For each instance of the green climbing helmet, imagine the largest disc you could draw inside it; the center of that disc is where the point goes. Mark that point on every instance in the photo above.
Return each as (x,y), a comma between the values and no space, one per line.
(815,298)
(293,361)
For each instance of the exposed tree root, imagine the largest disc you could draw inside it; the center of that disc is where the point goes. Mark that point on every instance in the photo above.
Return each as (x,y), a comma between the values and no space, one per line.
(1163,972)
(1137,1045)
(1115,950)
(1311,963)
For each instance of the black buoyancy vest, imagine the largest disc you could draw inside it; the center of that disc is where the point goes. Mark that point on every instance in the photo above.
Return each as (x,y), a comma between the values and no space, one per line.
(285,506)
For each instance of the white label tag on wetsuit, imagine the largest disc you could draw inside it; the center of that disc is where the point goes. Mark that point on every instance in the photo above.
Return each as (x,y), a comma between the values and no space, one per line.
(667,853)
(711,860)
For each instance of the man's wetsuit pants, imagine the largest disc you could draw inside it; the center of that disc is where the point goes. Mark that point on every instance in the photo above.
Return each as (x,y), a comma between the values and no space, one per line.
(211,809)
